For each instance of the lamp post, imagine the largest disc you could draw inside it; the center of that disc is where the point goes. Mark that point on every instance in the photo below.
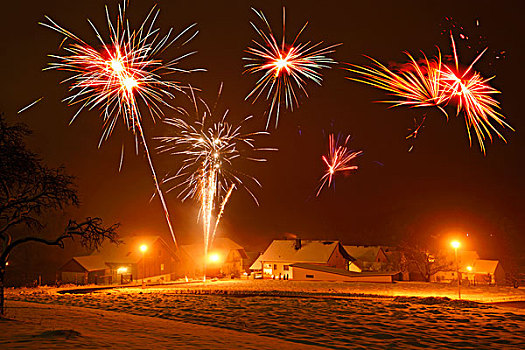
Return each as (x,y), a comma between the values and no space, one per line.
(143,249)
(456,245)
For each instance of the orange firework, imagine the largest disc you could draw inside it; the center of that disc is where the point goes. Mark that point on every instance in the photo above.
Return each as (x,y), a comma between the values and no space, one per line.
(472,95)
(416,84)
(431,83)
(284,67)
(338,160)
(123,72)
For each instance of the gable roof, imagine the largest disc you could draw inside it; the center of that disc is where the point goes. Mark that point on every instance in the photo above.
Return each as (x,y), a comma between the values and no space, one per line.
(220,245)
(316,252)
(485,266)
(90,262)
(363,252)
(128,252)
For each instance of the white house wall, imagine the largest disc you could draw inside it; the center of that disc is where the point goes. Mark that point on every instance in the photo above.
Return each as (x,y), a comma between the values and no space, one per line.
(300,274)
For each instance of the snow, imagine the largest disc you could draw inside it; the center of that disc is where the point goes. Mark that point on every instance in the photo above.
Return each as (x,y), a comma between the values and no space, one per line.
(332,315)
(36,326)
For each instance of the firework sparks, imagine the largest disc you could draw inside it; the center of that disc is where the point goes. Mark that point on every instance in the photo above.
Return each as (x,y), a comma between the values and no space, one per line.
(208,171)
(338,160)
(416,84)
(284,68)
(473,96)
(414,133)
(418,125)
(125,71)
(30,105)
(431,83)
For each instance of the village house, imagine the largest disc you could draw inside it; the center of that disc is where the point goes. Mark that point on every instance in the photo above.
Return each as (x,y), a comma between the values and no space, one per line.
(368,258)
(276,261)
(472,269)
(137,258)
(225,258)
(465,258)
(484,272)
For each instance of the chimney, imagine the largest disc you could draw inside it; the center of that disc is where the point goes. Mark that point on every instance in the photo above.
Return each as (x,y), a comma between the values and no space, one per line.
(297,244)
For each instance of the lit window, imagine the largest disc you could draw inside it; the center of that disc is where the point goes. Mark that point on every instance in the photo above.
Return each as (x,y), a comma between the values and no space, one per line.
(161,267)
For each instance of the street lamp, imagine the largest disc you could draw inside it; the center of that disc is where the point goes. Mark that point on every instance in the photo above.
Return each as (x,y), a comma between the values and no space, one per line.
(456,245)
(143,249)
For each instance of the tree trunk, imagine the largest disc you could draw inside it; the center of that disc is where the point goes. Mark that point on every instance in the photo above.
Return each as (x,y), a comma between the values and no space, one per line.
(2,307)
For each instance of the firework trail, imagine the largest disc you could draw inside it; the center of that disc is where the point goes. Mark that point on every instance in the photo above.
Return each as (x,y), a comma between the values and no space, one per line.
(284,68)
(339,159)
(208,173)
(125,70)
(414,133)
(432,83)
(30,105)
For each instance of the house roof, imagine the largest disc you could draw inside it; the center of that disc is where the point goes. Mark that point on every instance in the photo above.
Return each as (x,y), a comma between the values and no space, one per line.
(91,262)
(128,252)
(252,256)
(317,252)
(220,245)
(337,271)
(363,253)
(485,266)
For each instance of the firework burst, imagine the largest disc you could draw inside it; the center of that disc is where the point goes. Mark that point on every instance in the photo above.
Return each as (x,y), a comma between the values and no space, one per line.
(432,83)
(284,68)
(125,70)
(338,160)
(208,173)
(415,84)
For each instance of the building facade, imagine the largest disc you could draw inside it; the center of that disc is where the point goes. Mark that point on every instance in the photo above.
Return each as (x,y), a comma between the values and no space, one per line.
(124,263)
(277,260)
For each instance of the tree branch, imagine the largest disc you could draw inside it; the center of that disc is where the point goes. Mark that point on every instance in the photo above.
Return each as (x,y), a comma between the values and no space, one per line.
(90,232)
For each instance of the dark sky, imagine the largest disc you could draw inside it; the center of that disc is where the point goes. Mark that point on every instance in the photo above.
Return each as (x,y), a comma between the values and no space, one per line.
(441,189)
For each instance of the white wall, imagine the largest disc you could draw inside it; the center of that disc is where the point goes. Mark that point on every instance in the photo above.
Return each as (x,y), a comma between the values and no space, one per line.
(300,274)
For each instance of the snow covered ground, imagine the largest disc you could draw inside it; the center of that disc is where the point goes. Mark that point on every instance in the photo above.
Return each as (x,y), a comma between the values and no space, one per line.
(37,326)
(485,293)
(331,315)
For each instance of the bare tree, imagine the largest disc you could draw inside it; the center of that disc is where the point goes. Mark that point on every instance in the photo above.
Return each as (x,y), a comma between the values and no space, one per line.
(28,189)
(425,261)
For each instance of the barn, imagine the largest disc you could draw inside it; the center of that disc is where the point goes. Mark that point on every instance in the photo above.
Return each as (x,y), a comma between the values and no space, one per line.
(147,258)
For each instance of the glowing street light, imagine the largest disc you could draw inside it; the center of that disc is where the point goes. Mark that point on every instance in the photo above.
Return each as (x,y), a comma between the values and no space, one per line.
(456,245)
(214,258)
(122,270)
(143,248)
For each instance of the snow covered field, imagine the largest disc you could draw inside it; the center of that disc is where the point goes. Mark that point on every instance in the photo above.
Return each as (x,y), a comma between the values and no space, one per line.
(37,326)
(330,315)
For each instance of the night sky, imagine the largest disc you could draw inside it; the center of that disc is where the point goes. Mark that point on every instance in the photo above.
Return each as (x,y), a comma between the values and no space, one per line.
(442,188)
